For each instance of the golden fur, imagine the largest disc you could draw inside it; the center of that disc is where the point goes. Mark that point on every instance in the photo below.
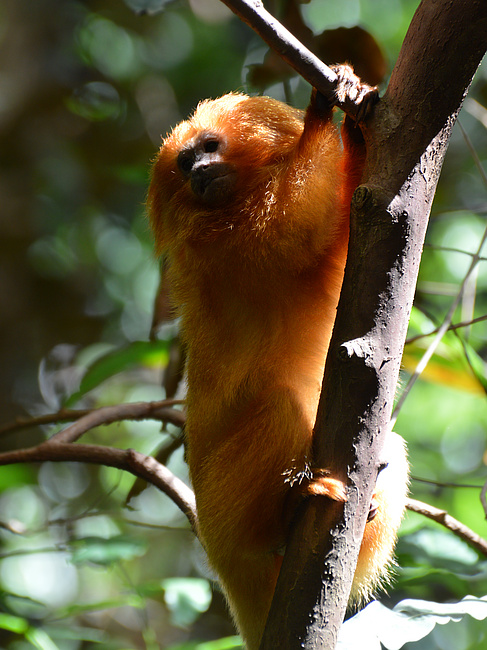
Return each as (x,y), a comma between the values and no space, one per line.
(256,268)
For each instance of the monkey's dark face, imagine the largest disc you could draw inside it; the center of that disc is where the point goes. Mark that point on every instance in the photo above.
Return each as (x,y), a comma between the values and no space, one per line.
(202,162)
(215,171)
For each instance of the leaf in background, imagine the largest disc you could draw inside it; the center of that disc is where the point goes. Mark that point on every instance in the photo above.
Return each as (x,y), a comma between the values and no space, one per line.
(95,101)
(435,547)
(40,639)
(13,623)
(125,599)
(453,372)
(186,598)
(105,551)
(455,362)
(12,475)
(149,353)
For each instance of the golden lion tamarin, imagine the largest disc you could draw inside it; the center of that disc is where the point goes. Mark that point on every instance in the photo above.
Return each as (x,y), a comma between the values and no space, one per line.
(249,205)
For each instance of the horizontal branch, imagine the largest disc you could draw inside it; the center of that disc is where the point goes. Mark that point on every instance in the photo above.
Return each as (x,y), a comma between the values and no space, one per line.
(160,410)
(456,527)
(452,328)
(158,475)
(131,411)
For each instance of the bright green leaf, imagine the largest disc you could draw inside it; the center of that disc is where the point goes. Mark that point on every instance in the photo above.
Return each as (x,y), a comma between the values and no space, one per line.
(221,644)
(13,623)
(12,475)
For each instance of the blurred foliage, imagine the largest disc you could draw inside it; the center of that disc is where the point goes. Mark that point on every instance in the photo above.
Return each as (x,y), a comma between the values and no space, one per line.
(87,88)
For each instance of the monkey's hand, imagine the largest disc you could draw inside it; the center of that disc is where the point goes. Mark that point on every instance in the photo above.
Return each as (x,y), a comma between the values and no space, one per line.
(351,94)
(350,90)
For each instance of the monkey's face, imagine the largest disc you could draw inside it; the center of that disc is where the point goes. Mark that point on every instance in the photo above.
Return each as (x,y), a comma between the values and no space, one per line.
(214,172)
(202,162)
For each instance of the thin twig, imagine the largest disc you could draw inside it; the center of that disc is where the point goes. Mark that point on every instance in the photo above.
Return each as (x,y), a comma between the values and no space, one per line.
(109,414)
(451,249)
(63,415)
(446,484)
(453,326)
(448,318)
(456,527)
(159,410)
(440,332)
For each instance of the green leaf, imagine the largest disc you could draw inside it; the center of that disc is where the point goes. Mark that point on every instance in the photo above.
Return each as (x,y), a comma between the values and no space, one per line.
(13,623)
(186,598)
(105,551)
(221,644)
(409,621)
(147,353)
(439,545)
(12,475)
(40,639)
(95,101)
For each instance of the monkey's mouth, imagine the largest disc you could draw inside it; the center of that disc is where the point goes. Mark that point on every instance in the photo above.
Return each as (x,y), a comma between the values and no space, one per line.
(213,184)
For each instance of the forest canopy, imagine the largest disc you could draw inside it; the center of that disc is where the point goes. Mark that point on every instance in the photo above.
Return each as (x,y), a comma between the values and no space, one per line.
(91,555)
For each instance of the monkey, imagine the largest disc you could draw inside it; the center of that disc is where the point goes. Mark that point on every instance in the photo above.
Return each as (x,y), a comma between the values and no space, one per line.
(249,202)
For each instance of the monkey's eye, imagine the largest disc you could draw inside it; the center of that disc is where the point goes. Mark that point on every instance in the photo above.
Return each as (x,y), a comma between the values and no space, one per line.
(211,146)
(185,162)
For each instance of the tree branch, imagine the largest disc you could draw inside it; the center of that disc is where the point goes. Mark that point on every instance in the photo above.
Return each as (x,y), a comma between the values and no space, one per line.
(105,415)
(131,411)
(60,447)
(452,327)
(292,51)
(456,527)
